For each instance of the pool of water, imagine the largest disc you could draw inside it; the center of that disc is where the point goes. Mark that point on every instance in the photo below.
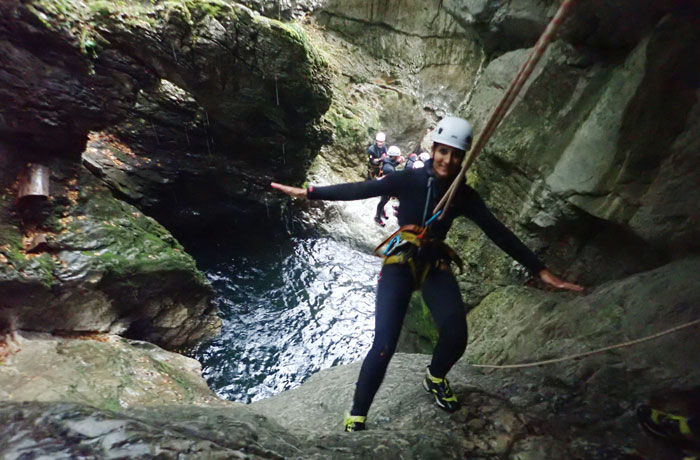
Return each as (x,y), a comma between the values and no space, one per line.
(288,309)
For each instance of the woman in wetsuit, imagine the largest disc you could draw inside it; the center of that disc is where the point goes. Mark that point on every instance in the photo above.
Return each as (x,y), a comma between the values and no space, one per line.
(424,265)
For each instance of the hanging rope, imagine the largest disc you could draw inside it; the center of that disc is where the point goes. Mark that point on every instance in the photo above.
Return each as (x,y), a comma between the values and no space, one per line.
(593,352)
(508,98)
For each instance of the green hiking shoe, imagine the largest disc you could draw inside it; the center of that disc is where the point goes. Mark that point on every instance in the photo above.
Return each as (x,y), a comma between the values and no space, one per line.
(441,391)
(355,423)
(666,425)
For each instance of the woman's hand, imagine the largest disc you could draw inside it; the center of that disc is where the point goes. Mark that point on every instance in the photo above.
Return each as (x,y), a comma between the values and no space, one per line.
(294,192)
(549,278)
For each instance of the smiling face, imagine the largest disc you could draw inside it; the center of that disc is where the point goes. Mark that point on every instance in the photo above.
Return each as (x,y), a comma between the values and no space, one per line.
(446,161)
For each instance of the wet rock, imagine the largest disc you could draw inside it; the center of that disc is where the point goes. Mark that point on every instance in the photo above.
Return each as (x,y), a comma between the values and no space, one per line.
(283,9)
(163,159)
(531,326)
(585,127)
(503,26)
(101,370)
(417,42)
(239,88)
(486,426)
(68,430)
(606,25)
(105,266)
(54,87)
(258,80)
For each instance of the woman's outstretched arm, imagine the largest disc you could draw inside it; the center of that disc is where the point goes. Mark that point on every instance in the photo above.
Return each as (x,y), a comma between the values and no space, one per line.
(390,185)
(294,192)
(549,278)
(511,244)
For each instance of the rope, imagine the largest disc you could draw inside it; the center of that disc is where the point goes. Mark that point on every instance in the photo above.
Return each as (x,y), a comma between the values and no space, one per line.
(508,98)
(593,352)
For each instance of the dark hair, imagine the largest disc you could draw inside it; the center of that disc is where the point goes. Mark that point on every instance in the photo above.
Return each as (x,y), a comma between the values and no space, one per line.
(435,144)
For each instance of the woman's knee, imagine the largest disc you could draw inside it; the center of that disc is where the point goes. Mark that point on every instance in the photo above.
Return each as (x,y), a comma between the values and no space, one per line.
(383,351)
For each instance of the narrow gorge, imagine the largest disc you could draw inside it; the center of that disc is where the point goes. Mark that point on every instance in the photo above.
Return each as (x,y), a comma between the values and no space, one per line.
(158,299)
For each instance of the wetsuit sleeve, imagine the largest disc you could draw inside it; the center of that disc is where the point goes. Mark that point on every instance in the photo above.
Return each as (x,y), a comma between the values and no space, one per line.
(505,239)
(388,186)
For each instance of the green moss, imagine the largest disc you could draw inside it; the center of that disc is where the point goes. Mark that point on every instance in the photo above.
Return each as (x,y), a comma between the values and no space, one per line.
(295,32)
(111,404)
(351,129)
(215,8)
(420,321)
(88,44)
(42,268)
(66,8)
(71,19)
(172,373)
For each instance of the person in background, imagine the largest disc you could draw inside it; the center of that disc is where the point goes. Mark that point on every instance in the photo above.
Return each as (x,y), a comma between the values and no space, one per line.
(389,165)
(412,158)
(375,153)
(420,260)
(422,160)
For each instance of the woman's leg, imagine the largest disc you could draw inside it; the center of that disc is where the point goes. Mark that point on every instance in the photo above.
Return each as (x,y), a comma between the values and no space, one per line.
(393,294)
(380,206)
(441,294)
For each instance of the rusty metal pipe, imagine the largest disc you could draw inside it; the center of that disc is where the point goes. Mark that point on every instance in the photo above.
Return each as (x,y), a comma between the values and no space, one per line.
(35,183)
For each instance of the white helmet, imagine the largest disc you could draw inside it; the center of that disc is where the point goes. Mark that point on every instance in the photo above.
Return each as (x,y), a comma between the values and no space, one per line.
(394,151)
(381,137)
(418,164)
(455,132)
(424,156)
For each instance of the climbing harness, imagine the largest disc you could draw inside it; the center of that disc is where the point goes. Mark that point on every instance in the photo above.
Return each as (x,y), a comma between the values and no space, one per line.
(509,97)
(410,245)
(592,352)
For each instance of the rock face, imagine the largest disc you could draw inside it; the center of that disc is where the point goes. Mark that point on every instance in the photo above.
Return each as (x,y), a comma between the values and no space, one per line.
(587,159)
(245,85)
(54,87)
(102,266)
(285,9)
(419,45)
(164,160)
(213,82)
(71,430)
(100,370)
(257,79)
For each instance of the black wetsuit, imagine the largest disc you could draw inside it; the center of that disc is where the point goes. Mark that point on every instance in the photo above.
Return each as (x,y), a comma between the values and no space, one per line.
(440,290)
(412,158)
(375,153)
(388,167)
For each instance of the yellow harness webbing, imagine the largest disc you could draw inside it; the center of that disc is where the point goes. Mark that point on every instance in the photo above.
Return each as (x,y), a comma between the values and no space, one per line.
(415,237)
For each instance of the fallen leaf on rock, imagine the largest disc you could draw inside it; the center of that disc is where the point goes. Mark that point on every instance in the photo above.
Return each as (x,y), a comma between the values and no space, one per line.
(87,335)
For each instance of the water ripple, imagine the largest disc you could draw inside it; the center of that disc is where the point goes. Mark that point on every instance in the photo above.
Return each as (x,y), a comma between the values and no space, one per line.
(287,312)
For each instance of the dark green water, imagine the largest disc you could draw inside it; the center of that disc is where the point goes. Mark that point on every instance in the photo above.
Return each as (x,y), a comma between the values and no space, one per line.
(289,308)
